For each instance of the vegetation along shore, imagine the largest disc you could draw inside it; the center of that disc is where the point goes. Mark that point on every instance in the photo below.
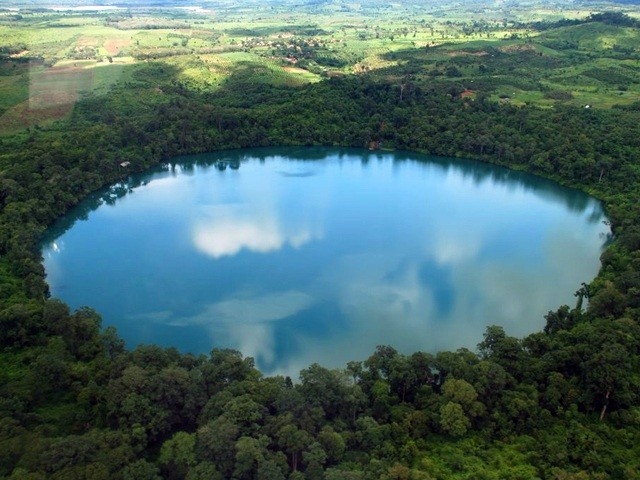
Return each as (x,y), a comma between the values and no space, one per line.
(91,95)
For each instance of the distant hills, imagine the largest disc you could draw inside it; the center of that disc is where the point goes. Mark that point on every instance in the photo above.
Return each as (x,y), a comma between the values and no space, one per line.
(209,4)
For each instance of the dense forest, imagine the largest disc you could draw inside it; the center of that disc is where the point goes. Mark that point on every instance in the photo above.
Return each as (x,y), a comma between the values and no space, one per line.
(560,404)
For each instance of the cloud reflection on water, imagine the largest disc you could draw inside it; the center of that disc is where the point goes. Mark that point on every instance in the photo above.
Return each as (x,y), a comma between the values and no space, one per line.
(250,309)
(228,229)
(404,312)
(246,321)
(391,300)
(292,268)
(442,291)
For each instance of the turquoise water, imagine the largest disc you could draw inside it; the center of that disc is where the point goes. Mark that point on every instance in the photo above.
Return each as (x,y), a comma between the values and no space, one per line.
(294,256)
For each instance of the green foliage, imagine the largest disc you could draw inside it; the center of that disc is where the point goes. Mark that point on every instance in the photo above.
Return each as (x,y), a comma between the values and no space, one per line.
(614,18)
(453,419)
(561,403)
(142,470)
(177,455)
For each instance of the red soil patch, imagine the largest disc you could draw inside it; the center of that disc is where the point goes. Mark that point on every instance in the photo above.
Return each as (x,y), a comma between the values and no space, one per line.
(86,42)
(52,94)
(113,45)
(36,110)
(294,70)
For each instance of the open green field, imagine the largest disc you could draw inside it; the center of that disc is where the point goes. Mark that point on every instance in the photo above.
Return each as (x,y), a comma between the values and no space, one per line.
(50,59)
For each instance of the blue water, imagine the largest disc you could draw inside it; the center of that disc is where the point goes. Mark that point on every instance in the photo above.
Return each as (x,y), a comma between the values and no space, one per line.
(294,256)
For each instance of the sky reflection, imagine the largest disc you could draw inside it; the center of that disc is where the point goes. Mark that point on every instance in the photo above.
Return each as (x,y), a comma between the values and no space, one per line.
(228,229)
(293,261)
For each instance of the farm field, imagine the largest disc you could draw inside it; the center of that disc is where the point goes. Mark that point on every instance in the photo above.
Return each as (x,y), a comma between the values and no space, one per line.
(52,58)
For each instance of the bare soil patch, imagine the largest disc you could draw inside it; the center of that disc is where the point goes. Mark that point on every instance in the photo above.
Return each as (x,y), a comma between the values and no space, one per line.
(86,42)
(52,94)
(37,110)
(462,53)
(294,70)
(19,54)
(517,48)
(114,45)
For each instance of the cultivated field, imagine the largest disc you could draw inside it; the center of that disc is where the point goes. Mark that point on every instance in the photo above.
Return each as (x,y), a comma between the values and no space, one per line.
(50,59)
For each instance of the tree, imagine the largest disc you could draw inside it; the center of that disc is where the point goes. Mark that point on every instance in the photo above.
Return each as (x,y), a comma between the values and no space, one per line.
(178,393)
(490,380)
(113,344)
(245,413)
(204,471)
(453,421)
(81,332)
(462,393)
(249,457)
(459,364)
(332,443)
(338,474)
(54,313)
(293,442)
(315,458)
(224,367)
(177,455)
(562,319)
(607,301)
(402,377)
(379,364)
(270,470)
(354,369)
(68,452)
(141,470)
(504,350)
(607,374)
(324,388)
(215,443)
(20,324)
(369,434)
(558,393)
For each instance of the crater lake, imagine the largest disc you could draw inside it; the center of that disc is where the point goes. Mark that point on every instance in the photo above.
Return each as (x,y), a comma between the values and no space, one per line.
(302,255)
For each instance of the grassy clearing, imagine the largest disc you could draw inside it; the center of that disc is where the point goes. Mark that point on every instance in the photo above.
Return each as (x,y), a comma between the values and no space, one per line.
(260,69)
(14,87)
(106,75)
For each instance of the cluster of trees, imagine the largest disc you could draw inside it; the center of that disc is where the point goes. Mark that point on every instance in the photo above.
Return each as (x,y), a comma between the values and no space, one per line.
(78,405)
(611,17)
(74,403)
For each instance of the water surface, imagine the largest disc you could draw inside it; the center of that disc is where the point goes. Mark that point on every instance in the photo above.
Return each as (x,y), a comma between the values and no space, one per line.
(295,256)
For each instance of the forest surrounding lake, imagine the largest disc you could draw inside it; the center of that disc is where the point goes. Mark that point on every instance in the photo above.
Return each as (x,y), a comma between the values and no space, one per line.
(94,99)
